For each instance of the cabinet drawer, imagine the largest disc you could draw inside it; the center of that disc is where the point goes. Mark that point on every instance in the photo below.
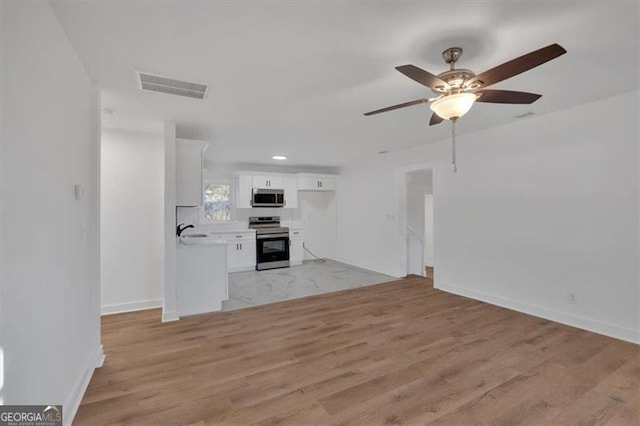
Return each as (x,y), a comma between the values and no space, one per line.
(295,233)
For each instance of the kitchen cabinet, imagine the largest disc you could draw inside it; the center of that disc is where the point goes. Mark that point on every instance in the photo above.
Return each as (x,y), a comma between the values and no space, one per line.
(308,182)
(189,161)
(241,250)
(201,278)
(290,186)
(244,191)
(247,181)
(267,181)
(296,247)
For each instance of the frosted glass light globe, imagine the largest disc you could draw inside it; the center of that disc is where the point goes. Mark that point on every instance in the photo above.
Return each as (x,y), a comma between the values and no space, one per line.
(453,106)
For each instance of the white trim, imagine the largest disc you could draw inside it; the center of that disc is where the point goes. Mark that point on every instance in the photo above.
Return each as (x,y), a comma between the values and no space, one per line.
(368,268)
(170,316)
(638,216)
(584,323)
(71,405)
(241,269)
(400,177)
(139,305)
(101,357)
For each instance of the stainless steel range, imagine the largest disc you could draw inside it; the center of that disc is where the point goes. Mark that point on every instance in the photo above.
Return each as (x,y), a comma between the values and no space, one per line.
(272,242)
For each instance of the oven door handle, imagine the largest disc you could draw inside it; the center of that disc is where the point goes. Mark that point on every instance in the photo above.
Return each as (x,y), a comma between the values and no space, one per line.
(265,236)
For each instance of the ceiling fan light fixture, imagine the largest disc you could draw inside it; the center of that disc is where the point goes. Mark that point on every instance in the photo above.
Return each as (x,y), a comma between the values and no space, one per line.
(453,106)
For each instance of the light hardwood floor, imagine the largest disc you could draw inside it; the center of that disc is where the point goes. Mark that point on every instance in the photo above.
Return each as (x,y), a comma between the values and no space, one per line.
(395,353)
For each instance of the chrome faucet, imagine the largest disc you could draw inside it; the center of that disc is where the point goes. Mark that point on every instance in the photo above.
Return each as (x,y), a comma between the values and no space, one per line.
(180,230)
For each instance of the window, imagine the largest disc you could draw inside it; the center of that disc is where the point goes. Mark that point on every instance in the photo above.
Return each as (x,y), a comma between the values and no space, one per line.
(217,202)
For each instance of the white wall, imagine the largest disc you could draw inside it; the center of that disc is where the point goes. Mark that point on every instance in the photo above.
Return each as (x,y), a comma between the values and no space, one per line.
(50,330)
(428,230)
(132,214)
(318,216)
(539,208)
(170,307)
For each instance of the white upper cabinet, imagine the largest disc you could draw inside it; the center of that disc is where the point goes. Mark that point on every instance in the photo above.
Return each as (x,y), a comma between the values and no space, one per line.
(189,162)
(290,186)
(267,181)
(309,182)
(244,191)
(247,181)
(290,183)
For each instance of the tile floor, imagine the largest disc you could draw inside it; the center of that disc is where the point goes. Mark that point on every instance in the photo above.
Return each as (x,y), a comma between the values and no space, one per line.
(261,287)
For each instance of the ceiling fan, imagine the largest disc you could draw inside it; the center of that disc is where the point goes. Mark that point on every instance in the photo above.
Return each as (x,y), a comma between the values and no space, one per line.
(457,90)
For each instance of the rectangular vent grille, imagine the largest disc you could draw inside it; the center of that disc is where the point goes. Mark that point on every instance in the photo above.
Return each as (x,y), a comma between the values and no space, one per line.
(155,83)
(526,114)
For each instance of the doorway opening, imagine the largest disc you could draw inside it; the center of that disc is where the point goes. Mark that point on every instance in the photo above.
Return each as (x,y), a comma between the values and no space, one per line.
(416,214)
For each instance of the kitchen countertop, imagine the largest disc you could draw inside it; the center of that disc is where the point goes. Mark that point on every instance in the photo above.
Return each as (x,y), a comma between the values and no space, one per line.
(199,242)
(215,228)
(223,227)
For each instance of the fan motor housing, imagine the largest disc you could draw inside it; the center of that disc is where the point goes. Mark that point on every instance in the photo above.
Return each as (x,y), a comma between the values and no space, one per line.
(456,79)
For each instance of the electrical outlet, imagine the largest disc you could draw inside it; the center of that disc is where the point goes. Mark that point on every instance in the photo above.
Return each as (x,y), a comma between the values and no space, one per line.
(572,298)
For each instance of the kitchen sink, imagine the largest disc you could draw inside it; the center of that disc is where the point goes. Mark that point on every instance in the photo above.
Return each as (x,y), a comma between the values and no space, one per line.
(195,239)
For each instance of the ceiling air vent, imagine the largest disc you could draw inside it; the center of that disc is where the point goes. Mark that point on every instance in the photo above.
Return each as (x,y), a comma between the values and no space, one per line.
(171,86)
(523,115)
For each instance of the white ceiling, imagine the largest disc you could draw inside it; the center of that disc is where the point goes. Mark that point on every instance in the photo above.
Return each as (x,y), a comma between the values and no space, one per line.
(294,78)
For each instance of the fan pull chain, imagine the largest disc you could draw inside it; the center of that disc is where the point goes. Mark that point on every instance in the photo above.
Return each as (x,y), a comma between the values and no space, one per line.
(453,146)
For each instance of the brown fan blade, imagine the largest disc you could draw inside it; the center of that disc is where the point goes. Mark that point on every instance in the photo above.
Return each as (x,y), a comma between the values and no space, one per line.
(518,65)
(506,97)
(421,76)
(435,119)
(391,108)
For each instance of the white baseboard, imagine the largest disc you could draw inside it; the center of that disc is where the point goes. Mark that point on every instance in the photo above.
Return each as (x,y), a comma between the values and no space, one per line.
(241,269)
(130,306)
(369,268)
(577,321)
(95,360)
(170,316)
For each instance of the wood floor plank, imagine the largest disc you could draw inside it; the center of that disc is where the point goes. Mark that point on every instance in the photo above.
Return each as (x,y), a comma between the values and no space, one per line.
(393,353)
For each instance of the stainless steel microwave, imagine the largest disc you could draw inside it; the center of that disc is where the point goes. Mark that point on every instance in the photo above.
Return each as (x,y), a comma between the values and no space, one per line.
(267,198)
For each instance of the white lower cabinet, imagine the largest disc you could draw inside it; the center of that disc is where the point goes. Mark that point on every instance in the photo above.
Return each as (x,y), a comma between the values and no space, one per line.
(296,248)
(241,251)
(201,279)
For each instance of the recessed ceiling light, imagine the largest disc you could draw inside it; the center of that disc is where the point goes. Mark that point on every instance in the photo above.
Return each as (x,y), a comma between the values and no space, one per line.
(279,157)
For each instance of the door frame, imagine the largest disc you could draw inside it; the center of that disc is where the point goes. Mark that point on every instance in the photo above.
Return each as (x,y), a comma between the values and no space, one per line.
(400,174)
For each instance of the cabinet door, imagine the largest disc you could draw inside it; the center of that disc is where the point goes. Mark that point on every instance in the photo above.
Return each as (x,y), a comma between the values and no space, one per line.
(243,193)
(296,249)
(241,251)
(265,181)
(316,183)
(248,254)
(326,183)
(233,255)
(188,176)
(290,186)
